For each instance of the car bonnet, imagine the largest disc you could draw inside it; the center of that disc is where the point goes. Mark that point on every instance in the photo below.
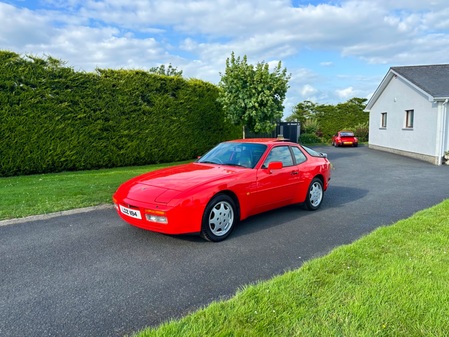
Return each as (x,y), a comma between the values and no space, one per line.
(164,185)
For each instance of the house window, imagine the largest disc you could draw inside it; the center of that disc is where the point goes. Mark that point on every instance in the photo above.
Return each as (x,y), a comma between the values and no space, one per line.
(383,120)
(409,118)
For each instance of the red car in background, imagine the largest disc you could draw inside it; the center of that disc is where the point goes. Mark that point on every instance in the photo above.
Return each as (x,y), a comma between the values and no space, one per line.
(234,180)
(345,138)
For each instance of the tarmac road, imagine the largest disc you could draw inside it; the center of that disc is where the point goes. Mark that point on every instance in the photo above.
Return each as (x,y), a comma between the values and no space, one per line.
(90,274)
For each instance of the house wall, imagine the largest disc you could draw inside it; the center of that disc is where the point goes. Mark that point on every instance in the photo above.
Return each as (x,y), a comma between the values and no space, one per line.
(421,140)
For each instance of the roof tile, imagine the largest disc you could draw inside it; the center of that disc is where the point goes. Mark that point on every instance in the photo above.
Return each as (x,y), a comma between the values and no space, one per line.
(433,79)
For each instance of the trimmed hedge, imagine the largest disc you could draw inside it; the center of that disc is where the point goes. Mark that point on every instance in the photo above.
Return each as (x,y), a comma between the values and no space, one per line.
(56,119)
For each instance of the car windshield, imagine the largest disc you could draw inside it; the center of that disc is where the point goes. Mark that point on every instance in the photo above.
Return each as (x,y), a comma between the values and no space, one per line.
(234,154)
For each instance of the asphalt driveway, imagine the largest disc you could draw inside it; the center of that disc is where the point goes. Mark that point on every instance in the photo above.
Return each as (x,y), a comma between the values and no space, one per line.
(90,274)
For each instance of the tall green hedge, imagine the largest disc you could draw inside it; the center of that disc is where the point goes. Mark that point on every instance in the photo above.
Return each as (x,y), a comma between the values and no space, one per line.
(56,119)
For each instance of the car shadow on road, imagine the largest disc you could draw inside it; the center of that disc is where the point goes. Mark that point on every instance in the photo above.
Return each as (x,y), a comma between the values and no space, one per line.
(335,196)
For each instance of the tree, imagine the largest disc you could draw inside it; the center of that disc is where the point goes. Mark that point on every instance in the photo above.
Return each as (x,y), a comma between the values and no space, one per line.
(302,112)
(324,120)
(345,115)
(169,71)
(251,96)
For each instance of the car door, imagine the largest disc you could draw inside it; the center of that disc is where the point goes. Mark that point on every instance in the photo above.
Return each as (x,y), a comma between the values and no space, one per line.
(276,187)
(301,181)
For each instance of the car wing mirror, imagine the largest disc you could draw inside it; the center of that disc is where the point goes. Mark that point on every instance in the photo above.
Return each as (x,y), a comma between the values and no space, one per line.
(275,165)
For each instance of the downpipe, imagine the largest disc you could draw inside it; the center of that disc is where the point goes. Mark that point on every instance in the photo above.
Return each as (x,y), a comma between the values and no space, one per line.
(444,134)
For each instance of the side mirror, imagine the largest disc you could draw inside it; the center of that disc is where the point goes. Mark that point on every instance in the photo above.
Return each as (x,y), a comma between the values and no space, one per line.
(275,165)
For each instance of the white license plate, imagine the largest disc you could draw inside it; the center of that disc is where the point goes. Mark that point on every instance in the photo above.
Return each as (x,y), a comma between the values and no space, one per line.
(130,212)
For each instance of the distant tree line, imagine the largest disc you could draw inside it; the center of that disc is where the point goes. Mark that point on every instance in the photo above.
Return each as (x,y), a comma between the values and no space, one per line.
(167,71)
(320,121)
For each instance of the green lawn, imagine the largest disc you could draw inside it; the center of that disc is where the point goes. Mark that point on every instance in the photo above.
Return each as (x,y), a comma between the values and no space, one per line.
(393,282)
(40,194)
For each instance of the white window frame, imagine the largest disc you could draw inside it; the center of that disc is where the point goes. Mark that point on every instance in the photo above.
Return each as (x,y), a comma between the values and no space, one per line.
(383,120)
(409,118)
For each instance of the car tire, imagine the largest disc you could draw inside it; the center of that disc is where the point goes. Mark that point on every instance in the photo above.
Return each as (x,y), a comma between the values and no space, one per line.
(219,218)
(315,194)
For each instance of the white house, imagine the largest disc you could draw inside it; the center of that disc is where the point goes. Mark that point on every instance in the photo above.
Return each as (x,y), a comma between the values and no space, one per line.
(409,112)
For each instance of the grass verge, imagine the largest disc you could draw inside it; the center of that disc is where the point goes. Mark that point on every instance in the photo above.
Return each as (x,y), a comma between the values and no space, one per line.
(41,194)
(392,282)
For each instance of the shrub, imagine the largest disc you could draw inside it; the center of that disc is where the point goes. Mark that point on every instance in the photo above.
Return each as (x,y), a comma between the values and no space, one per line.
(310,126)
(309,138)
(361,131)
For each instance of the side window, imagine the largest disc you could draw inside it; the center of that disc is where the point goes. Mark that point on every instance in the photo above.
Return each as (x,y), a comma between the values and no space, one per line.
(280,153)
(299,156)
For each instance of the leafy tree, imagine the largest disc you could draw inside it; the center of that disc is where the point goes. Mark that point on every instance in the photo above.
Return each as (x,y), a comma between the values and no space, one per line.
(169,71)
(302,112)
(359,103)
(252,96)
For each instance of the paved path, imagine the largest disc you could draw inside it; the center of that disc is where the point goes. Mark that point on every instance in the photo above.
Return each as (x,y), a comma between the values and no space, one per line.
(90,274)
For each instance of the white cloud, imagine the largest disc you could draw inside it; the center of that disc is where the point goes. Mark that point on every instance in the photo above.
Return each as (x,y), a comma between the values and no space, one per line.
(346,93)
(308,91)
(316,42)
(19,26)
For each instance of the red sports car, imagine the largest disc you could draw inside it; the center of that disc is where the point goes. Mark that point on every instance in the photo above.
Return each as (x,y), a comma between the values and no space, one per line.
(345,138)
(234,180)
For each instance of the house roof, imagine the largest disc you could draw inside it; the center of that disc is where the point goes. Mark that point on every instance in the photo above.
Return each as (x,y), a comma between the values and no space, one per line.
(432,80)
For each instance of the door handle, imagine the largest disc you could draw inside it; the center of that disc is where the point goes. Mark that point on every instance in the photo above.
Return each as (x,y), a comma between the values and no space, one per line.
(294,173)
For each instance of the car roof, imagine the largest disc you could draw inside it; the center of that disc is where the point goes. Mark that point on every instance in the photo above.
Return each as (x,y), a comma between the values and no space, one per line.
(261,140)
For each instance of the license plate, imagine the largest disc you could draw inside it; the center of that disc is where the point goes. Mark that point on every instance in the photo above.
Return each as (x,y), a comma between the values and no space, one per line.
(130,212)
(347,143)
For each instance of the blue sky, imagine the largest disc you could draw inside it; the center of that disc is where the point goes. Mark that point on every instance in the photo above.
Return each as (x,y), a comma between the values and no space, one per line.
(334,50)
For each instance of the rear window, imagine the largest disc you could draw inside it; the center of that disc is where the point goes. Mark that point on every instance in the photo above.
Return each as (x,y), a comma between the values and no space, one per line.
(313,152)
(346,134)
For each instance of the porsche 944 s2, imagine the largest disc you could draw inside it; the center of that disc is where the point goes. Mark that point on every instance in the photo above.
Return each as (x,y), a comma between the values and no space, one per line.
(234,180)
